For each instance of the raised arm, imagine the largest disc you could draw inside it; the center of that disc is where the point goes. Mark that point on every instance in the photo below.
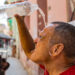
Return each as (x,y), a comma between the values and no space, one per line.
(25,37)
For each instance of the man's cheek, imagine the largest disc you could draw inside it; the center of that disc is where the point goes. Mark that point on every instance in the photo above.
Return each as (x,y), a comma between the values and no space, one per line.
(33,56)
(36,55)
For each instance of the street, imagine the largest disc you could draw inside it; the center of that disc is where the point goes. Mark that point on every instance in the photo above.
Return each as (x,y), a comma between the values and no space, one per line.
(15,68)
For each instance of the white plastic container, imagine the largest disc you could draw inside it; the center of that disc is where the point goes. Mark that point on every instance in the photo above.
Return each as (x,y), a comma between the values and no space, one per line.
(22,8)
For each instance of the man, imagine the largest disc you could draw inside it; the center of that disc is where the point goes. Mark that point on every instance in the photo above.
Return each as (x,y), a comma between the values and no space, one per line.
(55,48)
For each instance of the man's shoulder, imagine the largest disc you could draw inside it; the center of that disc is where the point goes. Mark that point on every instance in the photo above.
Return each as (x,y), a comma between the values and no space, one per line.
(70,71)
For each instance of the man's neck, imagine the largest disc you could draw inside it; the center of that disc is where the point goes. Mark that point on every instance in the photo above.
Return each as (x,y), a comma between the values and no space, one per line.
(56,67)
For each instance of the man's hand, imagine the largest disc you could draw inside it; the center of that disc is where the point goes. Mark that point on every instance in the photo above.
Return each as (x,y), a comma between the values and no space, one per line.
(19,17)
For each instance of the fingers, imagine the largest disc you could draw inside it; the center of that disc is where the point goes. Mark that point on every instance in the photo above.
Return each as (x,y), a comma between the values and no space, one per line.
(19,20)
(18,17)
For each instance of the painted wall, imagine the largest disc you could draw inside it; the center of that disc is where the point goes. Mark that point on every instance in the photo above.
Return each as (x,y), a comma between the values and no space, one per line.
(58,10)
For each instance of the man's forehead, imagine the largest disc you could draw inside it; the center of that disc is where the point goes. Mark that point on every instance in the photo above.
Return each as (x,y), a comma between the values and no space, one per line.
(51,25)
(49,28)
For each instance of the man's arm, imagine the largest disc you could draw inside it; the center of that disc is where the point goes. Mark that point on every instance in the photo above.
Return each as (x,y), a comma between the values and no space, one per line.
(25,38)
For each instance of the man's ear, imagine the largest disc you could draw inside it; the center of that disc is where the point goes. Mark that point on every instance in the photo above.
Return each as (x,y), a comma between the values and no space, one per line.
(56,49)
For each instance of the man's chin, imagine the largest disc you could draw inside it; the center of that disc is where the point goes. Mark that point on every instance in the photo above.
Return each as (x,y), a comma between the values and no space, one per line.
(38,61)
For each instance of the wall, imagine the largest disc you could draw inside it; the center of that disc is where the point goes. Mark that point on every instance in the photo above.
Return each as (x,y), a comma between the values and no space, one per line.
(59,10)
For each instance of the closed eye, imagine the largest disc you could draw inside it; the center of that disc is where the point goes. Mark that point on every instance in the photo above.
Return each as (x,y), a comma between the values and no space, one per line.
(42,37)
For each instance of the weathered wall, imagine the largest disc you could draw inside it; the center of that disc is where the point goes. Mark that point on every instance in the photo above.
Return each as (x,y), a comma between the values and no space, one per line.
(59,10)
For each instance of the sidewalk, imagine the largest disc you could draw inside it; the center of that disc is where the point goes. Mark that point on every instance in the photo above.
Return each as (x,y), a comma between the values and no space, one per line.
(15,68)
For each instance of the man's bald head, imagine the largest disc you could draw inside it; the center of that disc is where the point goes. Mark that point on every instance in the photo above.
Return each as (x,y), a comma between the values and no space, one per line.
(64,33)
(55,40)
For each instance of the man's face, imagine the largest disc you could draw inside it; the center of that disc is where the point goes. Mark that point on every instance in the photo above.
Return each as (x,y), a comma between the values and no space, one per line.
(41,52)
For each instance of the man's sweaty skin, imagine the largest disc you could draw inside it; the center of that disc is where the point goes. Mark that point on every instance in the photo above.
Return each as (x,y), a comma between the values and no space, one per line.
(44,53)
